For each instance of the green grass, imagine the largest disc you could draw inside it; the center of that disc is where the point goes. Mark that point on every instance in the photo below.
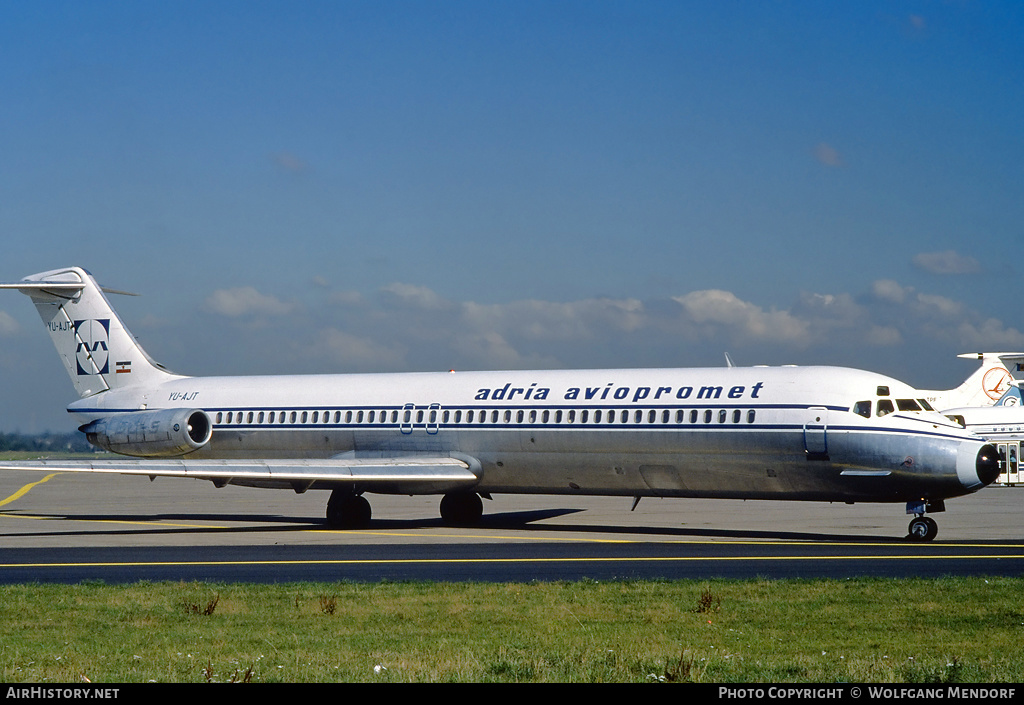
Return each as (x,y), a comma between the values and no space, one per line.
(946,630)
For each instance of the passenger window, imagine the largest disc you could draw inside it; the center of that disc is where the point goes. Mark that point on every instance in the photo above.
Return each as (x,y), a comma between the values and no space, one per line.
(863,408)
(751,414)
(885,407)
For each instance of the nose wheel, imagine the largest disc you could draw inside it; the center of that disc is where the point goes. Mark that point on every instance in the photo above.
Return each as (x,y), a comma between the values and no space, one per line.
(923,529)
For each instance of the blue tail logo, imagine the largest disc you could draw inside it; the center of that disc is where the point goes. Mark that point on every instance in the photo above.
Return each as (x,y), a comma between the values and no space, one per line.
(92,351)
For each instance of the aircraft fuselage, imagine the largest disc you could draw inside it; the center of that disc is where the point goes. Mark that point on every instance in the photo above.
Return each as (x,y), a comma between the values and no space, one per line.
(751,433)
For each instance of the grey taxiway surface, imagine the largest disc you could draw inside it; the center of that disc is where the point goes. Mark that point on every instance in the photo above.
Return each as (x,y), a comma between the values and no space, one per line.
(69,527)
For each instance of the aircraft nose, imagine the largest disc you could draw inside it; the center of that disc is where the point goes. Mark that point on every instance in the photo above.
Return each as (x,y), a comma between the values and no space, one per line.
(977,467)
(987,464)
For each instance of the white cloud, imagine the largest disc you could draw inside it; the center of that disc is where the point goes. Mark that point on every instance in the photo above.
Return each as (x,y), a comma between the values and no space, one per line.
(888,290)
(243,301)
(941,305)
(8,326)
(356,352)
(947,262)
(723,311)
(827,154)
(289,162)
(557,321)
(415,296)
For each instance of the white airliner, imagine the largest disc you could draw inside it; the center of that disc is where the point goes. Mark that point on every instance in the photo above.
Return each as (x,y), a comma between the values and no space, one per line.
(1003,425)
(794,433)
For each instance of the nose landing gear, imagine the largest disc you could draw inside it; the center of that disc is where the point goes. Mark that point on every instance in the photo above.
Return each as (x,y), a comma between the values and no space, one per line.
(923,529)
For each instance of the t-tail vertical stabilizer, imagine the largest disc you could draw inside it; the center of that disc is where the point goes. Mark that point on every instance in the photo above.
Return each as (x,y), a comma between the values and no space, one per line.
(986,386)
(98,352)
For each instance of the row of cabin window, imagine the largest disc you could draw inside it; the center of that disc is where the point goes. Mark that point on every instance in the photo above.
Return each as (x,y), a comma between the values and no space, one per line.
(546,416)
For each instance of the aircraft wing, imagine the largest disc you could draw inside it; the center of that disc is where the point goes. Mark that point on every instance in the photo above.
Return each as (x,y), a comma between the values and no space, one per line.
(413,474)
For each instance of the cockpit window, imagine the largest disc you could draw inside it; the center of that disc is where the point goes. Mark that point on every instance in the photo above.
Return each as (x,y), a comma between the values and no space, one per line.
(863,408)
(907,405)
(885,407)
(925,405)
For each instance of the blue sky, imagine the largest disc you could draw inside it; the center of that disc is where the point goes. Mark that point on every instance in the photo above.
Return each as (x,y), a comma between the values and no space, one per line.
(363,186)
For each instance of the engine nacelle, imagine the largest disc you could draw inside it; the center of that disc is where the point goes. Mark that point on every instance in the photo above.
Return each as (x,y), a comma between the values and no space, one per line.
(164,433)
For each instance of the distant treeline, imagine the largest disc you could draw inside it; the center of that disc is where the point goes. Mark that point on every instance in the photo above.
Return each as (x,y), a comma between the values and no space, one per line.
(45,442)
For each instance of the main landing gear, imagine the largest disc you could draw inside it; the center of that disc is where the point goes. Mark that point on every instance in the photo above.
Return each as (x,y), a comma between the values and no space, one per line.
(346,510)
(923,529)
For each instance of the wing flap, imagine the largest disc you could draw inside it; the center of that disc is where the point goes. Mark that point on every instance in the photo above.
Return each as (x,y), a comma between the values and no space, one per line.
(419,473)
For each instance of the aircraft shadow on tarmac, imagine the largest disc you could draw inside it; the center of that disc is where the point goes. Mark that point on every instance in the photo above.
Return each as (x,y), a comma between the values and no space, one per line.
(517,520)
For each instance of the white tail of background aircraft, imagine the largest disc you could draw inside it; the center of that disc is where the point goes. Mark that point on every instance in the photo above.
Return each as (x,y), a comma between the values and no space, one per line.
(993,378)
(791,433)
